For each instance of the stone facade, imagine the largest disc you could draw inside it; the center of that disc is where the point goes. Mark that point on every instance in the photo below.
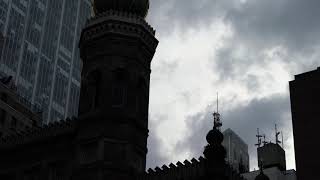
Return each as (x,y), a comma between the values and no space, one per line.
(16,113)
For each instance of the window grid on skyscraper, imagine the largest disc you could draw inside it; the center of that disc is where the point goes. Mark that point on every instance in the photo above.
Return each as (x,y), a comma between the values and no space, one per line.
(41,51)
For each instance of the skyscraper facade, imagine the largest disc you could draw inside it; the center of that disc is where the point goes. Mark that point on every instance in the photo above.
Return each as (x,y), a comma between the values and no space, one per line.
(237,151)
(41,52)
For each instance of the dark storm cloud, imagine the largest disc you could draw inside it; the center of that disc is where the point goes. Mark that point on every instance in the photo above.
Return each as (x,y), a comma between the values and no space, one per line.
(291,22)
(244,120)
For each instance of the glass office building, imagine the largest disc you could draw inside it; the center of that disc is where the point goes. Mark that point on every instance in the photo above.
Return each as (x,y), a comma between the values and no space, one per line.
(40,52)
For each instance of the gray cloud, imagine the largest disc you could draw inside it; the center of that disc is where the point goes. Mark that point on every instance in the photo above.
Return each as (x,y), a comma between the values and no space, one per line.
(166,16)
(292,23)
(155,156)
(257,25)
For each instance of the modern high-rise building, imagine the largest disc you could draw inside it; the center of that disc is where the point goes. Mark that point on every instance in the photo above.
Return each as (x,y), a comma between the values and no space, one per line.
(305,107)
(237,151)
(41,53)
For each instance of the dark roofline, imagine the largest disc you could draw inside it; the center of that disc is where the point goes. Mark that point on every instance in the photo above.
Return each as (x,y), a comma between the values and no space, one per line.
(307,74)
(36,134)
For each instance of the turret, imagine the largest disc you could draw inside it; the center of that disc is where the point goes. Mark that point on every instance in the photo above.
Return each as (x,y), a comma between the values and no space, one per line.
(117,46)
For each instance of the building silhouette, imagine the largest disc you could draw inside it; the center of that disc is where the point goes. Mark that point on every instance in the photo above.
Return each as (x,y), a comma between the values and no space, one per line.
(109,138)
(16,114)
(40,52)
(271,159)
(237,151)
(305,105)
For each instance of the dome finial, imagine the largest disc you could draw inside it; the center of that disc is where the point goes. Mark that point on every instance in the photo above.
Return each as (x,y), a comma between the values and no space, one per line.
(139,7)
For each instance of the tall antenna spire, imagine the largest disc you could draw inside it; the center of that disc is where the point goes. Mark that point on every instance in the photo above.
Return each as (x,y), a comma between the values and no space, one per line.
(216,117)
(217,102)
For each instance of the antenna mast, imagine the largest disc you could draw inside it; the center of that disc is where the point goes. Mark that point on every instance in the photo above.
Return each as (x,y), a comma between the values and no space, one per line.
(277,135)
(282,140)
(264,140)
(259,138)
(216,116)
(217,102)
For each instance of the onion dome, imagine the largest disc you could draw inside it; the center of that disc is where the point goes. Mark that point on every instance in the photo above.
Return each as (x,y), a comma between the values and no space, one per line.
(262,176)
(214,136)
(139,7)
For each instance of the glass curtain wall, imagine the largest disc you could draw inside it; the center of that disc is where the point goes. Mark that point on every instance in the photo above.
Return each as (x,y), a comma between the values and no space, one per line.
(40,51)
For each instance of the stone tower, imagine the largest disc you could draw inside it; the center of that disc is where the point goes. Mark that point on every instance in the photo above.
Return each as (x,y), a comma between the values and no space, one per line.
(117,46)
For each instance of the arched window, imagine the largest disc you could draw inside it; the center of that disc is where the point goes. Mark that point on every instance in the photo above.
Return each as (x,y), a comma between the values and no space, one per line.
(141,97)
(119,94)
(93,83)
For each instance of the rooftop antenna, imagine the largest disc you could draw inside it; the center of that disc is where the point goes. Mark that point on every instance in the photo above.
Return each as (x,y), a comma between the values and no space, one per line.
(277,135)
(259,138)
(282,140)
(216,116)
(264,140)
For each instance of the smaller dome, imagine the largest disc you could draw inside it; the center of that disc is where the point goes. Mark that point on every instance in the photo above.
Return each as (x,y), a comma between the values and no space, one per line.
(262,176)
(214,136)
(217,153)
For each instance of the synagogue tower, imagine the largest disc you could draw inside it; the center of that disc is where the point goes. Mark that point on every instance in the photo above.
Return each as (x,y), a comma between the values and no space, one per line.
(117,46)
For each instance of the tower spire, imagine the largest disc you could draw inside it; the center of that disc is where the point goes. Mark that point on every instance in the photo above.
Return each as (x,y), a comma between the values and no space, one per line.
(217,102)
(216,117)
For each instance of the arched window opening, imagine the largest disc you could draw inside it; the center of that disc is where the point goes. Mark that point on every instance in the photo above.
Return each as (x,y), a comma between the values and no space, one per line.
(94,80)
(119,94)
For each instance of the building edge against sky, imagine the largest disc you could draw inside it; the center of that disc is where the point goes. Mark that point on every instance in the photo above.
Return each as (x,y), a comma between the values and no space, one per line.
(41,52)
(305,104)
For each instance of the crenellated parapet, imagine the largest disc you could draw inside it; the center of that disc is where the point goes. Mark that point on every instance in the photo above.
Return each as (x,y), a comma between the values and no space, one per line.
(122,16)
(194,169)
(187,169)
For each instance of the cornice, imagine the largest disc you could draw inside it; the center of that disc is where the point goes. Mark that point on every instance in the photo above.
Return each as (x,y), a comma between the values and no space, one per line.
(114,22)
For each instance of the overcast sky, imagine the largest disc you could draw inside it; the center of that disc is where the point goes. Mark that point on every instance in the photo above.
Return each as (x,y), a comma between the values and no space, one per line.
(247,50)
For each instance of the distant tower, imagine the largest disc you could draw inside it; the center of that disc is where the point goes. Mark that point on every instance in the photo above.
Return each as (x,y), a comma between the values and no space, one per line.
(272,155)
(117,46)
